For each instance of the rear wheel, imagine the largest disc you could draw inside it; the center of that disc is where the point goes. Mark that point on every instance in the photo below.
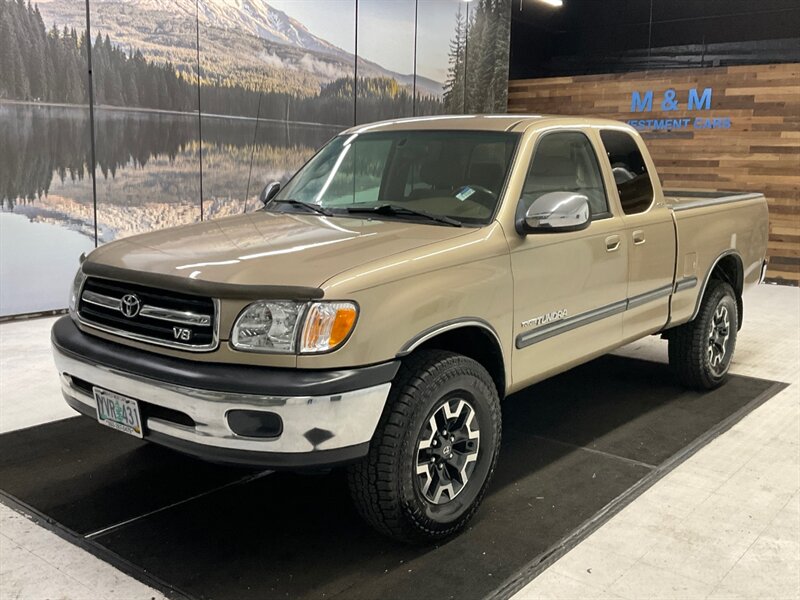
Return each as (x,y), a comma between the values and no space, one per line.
(434,451)
(700,352)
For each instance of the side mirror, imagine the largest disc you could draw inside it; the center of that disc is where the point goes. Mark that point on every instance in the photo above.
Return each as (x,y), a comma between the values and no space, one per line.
(269,192)
(554,212)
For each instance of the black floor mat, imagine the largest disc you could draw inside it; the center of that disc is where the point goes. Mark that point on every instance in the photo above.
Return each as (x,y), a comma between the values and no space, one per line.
(572,446)
(88,477)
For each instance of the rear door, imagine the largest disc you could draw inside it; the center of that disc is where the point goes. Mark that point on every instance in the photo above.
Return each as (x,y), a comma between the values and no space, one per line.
(648,229)
(569,287)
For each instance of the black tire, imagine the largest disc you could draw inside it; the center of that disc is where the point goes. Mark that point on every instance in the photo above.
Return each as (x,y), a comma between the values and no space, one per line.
(691,356)
(385,485)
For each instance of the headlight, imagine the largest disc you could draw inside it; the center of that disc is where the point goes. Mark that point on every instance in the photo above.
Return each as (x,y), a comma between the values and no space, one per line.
(278,326)
(268,326)
(77,284)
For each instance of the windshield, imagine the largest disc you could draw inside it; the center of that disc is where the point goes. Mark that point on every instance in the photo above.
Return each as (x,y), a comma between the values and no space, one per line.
(453,174)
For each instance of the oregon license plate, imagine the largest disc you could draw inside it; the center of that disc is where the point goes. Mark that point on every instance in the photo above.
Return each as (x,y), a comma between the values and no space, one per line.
(118,412)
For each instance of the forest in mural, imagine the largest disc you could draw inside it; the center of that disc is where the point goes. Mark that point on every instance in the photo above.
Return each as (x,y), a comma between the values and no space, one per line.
(218,95)
(35,64)
(477,80)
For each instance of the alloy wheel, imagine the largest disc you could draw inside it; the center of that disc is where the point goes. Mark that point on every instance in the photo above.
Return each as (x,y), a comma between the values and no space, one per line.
(718,340)
(447,450)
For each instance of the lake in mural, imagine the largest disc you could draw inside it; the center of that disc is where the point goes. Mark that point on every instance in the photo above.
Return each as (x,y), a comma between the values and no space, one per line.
(147,178)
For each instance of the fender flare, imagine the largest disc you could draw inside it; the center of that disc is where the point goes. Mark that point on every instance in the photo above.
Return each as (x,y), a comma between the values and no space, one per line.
(449,325)
(708,278)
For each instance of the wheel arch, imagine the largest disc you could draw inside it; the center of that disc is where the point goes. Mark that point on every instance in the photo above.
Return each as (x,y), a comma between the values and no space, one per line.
(729,268)
(472,337)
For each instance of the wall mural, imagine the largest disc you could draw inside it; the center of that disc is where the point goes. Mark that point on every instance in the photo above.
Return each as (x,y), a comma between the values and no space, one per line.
(199,103)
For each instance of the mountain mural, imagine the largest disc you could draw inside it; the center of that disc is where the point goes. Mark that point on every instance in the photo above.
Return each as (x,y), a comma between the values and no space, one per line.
(176,141)
(242,42)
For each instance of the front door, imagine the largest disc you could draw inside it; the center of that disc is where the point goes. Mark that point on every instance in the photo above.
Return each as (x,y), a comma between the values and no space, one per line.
(569,287)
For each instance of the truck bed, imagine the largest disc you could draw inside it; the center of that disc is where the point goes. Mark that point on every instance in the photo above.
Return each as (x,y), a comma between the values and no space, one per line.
(679,200)
(709,226)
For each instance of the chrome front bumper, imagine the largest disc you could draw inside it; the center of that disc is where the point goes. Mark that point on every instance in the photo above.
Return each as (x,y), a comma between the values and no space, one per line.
(317,430)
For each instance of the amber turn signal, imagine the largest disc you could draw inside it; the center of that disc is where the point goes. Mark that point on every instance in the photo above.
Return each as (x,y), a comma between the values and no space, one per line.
(327,325)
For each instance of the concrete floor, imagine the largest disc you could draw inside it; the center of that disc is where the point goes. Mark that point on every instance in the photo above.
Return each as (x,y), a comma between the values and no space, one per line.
(723,524)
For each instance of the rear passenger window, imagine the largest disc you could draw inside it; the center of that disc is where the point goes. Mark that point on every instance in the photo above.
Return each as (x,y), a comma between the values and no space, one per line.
(566,162)
(630,172)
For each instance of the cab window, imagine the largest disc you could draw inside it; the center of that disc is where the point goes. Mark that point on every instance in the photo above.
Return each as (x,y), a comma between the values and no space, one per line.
(566,162)
(630,171)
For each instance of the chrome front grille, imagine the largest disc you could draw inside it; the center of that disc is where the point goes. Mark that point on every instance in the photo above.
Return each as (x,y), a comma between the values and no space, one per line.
(149,314)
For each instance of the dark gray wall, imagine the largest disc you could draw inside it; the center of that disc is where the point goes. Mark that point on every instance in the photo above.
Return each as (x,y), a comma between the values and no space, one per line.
(610,36)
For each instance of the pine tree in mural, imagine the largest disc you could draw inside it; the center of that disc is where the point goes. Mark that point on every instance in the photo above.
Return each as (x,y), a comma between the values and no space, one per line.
(454,86)
(477,80)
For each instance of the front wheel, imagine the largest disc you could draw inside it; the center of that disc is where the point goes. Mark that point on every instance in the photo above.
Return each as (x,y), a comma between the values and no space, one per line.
(434,451)
(700,352)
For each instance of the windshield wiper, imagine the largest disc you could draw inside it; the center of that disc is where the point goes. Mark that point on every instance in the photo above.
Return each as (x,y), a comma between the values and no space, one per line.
(395,209)
(308,206)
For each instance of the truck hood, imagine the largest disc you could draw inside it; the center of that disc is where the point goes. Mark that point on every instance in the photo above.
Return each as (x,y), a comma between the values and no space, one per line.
(264,248)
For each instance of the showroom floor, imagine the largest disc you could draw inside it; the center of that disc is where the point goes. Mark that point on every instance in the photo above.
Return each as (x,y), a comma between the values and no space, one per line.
(723,524)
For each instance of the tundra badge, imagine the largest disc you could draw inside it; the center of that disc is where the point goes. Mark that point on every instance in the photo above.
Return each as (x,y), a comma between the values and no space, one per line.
(546,318)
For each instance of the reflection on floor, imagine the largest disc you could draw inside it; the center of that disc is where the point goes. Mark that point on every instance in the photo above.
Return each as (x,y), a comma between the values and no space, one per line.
(740,489)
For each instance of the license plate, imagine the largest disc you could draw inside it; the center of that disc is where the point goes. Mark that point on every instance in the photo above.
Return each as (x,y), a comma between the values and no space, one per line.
(118,412)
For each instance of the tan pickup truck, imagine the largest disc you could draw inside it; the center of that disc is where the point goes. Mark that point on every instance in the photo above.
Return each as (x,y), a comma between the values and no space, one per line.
(378,307)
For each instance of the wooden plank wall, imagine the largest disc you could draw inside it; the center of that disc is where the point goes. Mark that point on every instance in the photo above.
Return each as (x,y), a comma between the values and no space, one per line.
(760,152)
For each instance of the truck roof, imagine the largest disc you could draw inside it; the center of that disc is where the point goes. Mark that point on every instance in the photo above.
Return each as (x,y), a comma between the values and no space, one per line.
(502,122)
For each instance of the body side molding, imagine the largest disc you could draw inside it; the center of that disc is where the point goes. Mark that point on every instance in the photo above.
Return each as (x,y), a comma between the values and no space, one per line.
(544,333)
(655,294)
(529,338)
(686,283)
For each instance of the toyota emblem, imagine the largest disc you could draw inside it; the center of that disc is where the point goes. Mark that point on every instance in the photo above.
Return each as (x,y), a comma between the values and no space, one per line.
(130,305)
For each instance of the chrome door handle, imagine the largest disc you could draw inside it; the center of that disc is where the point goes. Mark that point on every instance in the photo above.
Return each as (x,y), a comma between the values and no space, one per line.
(612,243)
(638,237)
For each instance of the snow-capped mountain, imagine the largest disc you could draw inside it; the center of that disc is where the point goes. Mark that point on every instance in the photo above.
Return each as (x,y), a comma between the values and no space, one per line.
(239,40)
(262,20)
